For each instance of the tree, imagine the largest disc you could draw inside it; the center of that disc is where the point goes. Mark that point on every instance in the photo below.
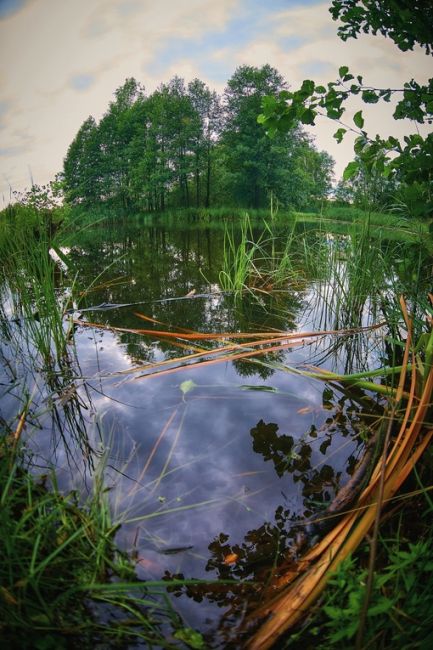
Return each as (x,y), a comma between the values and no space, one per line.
(367,189)
(82,164)
(208,109)
(116,132)
(178,148)
(251,159)
(409,162)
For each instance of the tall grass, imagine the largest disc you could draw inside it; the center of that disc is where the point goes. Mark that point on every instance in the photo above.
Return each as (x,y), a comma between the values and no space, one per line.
(253,261)
(30,282)
(63,581)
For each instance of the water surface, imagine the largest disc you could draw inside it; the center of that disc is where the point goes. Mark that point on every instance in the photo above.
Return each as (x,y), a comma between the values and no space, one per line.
(213,468)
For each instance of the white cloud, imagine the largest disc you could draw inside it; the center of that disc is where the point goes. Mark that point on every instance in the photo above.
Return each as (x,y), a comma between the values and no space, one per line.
(377,59)
(49,44)
(61,61)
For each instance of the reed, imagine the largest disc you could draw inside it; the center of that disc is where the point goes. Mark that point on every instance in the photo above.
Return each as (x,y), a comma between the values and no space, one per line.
(60,566)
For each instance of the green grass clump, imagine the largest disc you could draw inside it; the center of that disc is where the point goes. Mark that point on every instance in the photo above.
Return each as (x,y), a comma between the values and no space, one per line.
(254,262)
(63,581)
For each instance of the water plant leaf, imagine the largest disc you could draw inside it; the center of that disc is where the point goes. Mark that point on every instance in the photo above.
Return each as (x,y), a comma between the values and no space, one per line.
(191,638)
(187,385)
(266,389)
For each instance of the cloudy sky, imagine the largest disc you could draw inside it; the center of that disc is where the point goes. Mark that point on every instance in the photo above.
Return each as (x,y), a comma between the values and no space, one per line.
(61,60)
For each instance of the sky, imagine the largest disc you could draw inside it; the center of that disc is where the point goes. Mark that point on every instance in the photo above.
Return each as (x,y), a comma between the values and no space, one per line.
(61,61)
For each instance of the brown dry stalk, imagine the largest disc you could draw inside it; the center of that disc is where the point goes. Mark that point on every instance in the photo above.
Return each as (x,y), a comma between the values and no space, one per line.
(20,426)
(308,577)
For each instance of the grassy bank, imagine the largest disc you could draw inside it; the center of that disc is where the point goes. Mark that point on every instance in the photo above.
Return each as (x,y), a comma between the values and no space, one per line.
(64,583)
(332,218)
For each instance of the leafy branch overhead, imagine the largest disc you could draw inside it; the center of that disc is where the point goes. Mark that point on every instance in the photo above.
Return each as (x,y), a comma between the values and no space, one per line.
(283,112)
(408,160)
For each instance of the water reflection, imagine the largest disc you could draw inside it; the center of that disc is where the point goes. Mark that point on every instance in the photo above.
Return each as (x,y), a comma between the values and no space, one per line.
(214,470)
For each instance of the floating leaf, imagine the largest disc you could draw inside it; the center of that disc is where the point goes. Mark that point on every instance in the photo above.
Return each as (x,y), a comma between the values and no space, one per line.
(191,638)
(187,385)
(266,389)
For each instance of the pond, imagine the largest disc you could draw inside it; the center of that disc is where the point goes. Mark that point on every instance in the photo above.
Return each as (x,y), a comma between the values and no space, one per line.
(217,450)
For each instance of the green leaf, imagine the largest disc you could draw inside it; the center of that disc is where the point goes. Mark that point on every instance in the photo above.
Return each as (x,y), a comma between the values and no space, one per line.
(320,89)
(308,116)
(369,97)
(360,143)
(384,605)
(387,171)
(351,170)
(267,389)
(269,103)
(308,86)
(358,119)
(338,135)
(285,95)
(334,113)
(343,71)
(261,119)
(187,385)
(191,638)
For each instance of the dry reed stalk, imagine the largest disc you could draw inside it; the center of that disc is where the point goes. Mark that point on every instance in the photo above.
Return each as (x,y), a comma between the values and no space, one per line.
(309,577)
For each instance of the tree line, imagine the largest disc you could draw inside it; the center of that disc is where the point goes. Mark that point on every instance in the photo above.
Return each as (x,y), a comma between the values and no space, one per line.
(184,145)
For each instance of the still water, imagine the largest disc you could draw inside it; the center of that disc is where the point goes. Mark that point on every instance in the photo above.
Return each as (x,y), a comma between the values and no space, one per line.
(213,468)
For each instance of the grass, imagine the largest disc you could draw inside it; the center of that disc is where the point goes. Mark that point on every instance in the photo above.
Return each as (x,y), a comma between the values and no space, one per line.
(401,607)
(61,570)
(254,263)
(63,580)
(31,283)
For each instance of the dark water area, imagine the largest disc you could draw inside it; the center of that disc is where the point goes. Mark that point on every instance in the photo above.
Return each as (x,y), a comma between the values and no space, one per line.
(212,468)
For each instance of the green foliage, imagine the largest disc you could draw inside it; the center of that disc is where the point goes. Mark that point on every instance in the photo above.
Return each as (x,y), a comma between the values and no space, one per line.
(407,23)
(408,161)
(401,609)
(184,146)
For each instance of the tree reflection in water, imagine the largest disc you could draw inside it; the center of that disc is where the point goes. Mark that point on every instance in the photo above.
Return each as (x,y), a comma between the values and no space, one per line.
(269,550)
